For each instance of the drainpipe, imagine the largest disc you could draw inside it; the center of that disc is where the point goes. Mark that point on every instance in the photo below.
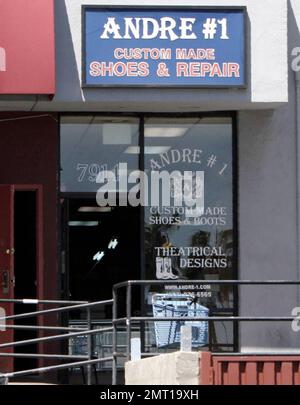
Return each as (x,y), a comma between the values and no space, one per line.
(297,79)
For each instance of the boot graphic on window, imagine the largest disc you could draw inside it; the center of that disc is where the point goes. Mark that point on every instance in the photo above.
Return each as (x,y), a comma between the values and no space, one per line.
(166,267)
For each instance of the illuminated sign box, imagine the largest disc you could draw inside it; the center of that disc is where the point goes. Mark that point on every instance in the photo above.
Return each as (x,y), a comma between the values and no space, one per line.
(164,47)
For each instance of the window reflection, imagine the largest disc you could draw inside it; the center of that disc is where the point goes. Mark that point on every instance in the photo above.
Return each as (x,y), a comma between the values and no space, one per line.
(91,144)
(182,241)
(179,246)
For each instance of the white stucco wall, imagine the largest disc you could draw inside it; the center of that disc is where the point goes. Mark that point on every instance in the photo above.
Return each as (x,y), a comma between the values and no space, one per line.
(267,66)
(269,242)
(268,237)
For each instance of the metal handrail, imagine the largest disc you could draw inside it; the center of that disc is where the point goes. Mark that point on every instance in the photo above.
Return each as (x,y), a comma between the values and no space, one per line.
(55,337)
(129,319)
(57,367)
(192,282)
(44,356)
(207,319)
(88,332)
(34,301)
(42,328)
(54,310)
(129,322)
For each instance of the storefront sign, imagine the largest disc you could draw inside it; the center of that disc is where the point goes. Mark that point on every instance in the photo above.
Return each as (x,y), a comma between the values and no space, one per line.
(27,53)
(164,47)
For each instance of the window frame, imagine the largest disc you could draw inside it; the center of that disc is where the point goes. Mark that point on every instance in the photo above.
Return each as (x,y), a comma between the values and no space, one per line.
(141,166)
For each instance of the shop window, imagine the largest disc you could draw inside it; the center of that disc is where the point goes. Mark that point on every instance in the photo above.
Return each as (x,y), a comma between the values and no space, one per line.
(184,242)
(184,228)
(197,241)
(90,145)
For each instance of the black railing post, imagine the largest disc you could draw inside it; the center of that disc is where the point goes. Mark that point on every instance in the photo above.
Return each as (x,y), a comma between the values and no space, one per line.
(115,345)
(128,321)
(89,347)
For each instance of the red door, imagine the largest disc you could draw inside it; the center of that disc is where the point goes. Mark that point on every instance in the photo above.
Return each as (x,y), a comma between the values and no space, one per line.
(6,268)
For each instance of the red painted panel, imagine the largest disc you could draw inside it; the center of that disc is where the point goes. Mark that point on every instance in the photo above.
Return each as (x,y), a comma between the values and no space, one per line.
(27,47)
(260,372)
(29,154)
(286,373)
(29,149)
(297,374)
(220,373)
(233,372)
(206,369)
(249,370)
(250,375)
(269,373)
